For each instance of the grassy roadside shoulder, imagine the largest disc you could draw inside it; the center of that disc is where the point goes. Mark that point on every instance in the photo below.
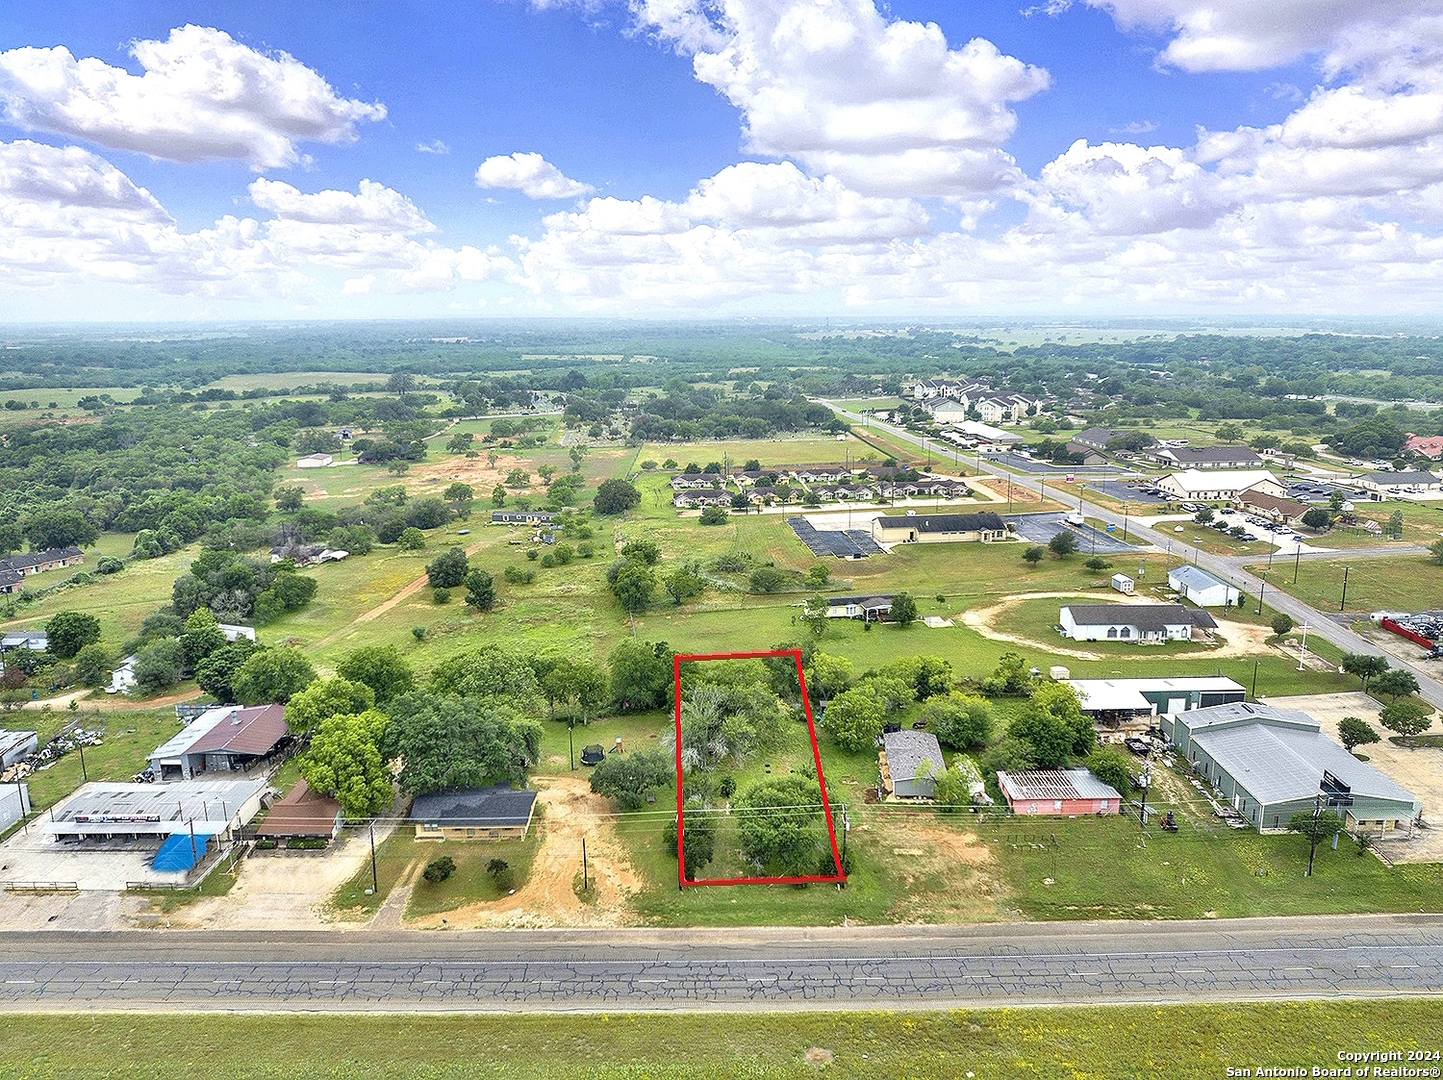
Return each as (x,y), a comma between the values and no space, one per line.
(1185,1042)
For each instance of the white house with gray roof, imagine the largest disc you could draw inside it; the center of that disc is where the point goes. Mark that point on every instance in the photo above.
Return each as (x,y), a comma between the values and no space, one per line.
(1270,763)
(1147,623)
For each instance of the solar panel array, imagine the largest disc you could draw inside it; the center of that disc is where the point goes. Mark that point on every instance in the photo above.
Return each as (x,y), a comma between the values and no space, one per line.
(827,542)
(864,542)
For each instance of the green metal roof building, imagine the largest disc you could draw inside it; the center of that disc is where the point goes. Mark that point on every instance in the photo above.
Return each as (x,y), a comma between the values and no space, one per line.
(1270,763)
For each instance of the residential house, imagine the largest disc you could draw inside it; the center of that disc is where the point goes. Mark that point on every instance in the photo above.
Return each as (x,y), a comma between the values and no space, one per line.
(1006,407)
(37,562)
(1219,485)
(939,528)
(1270,763)
(866,608)
(1279,510)
(122,679)
(522,517)
(487,813)
(696,481)
(1144,623)
(1057,792)
(1202,588)
(1206,457)
(910,762)
(694,500)
(227,738)
(11,581)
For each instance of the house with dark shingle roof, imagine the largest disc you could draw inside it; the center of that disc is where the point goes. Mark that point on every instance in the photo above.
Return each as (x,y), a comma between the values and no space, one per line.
(1147,623)
(36,562)
(483,813)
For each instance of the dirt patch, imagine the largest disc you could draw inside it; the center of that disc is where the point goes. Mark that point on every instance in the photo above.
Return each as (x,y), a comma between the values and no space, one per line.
(549,897)
(946,869)
(1417,769)
(477,471)
(818,1055)
(280,891)
(1238,638)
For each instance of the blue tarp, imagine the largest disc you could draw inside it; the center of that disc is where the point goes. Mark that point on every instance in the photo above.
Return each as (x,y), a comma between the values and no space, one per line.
(177,853)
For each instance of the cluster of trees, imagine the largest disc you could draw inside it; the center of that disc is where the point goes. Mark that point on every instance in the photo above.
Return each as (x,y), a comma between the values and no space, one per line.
(452,569)
(686,411)
(470,724)
(240,587)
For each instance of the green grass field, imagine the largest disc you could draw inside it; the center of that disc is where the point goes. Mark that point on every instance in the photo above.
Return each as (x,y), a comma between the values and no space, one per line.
(128,737)
(1195,1041)
(1107,868)
(782,450)
(1389,583)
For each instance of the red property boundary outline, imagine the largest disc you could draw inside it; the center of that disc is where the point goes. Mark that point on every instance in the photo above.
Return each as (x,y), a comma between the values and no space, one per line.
(800,879)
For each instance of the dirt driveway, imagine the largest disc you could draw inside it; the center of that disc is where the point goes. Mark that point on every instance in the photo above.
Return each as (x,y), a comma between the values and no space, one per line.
(1239,639)
(548,898)
(1417,769)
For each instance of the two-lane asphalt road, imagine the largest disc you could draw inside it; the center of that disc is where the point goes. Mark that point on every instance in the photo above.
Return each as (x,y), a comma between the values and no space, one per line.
(1229,568)
(896,967)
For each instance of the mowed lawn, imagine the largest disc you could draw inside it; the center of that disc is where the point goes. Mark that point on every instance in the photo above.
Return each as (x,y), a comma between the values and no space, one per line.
(1103,868)
(1192,1041)
(1403,582)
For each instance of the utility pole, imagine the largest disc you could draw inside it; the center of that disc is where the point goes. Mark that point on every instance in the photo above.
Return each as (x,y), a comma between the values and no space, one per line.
(585,873)
(1146,783)
(1344,600)
(1313,832)
(846,828)
(1262,588)
(1255,679)
(84,776)
(375,882)
(1297,558)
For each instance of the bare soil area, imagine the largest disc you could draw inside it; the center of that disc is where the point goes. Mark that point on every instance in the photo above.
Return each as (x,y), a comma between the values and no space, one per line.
(549,897)
(1238,638)
(1417,769)
(947,870)
(279,890)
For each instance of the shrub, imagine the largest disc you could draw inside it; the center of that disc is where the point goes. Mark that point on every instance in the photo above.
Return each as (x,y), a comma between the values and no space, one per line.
(500,872)
(441,596)
(438,870)
(517,575)
(419,633)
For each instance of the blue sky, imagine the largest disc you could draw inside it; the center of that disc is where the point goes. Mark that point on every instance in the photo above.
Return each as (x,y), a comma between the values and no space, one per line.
(739,156)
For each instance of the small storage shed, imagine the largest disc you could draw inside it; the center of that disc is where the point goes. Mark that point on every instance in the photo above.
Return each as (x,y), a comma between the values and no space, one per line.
(1123,584)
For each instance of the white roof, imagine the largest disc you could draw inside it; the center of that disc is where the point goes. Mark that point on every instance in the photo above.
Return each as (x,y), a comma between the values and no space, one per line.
(210,806)
(1194,577)
(1127,693)
(986,431)
(1281,764)
(1220,479)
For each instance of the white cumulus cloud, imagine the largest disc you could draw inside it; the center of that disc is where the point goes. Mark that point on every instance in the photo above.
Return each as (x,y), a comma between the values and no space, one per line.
(531,174)
(885,105)
(203,95)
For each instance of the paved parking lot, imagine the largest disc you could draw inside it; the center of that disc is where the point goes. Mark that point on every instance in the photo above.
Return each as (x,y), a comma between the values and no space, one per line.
(1118,490)
(1043,527)
(36,856)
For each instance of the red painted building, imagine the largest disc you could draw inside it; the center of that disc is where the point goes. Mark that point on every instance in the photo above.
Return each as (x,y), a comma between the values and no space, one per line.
(1058,792)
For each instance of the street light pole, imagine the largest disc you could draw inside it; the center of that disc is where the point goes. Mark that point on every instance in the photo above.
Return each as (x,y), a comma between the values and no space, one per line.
(1262,588)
